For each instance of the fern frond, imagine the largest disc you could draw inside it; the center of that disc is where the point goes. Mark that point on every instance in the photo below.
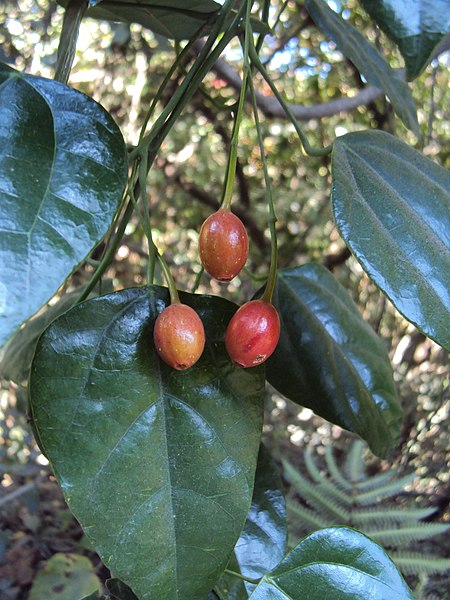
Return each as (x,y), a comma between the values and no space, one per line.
(377,480)
(414,563)
(310,518)
(315,494)
(390,516)
(390,489)
(400,536)
(312,467)
(354,466)
(335,471)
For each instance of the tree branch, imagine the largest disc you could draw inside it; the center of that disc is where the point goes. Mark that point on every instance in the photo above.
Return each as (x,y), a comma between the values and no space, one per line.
(271,108)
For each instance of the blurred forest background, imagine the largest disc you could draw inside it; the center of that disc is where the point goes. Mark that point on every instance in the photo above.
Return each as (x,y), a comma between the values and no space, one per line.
(122,68)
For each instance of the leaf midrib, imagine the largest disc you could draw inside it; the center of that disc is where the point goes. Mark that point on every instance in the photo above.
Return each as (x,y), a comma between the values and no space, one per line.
(423,276)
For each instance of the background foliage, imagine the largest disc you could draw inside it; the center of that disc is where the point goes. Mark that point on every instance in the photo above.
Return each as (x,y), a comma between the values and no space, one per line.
(112,66)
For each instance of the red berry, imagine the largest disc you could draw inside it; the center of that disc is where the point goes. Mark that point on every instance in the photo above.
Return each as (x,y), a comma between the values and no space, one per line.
(179,336)
(253,333)
(223,245)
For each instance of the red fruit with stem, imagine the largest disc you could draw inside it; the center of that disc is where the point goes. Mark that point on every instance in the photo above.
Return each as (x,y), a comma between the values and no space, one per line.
(253,333)
(223,245)
(179,336)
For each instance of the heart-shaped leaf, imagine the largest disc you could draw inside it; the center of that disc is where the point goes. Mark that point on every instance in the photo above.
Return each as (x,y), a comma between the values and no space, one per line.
(337,563)
(367,60)
(63,169)
(175,19)
(392,207)
(329,360)
(416,27)
(263,540)
(156,464)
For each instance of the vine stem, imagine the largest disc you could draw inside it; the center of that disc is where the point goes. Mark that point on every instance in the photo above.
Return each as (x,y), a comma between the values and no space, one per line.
(183,91)
(109,254)
(311,150)
(239,576)
(272,277)
(68,40)
(178,62)
(232,161)
(174,297)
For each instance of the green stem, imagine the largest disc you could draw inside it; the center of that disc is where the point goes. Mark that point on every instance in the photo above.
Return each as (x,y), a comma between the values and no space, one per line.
(272,277)
(185,87)
(280,14)
(303,138)
(178,62)
(174,297)
(197,280)
(152,251)
(264,19)
(68,40)
(156,140)
(232,161)
(239,576)
(109,254)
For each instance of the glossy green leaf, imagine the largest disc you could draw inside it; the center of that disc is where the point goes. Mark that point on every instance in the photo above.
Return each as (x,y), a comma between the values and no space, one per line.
(366,59)
(71,575)
(63,168)
(337,563)
(149,458)
(392,207)
(175,19)
(262,543)
(416,26)
(330,360)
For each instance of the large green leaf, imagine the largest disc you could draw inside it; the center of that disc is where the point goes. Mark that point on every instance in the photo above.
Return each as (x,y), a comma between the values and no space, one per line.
(392,207)
(416,26)
(63,168)
(337,563)
(331,361)
(366,59)
(156,464)
(175,19)
(263,540)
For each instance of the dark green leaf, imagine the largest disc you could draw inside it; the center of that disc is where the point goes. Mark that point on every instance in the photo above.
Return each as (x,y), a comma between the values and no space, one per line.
(71,574)
(392,207)
(263,541)
(337,563)
(174,19)
(331,361)
(416,27)
(366,59)
(157,465)
(119,590)
(63,168)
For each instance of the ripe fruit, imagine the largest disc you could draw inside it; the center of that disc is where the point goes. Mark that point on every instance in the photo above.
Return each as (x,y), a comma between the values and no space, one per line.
(253,333)
(223,245)
(179,336)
